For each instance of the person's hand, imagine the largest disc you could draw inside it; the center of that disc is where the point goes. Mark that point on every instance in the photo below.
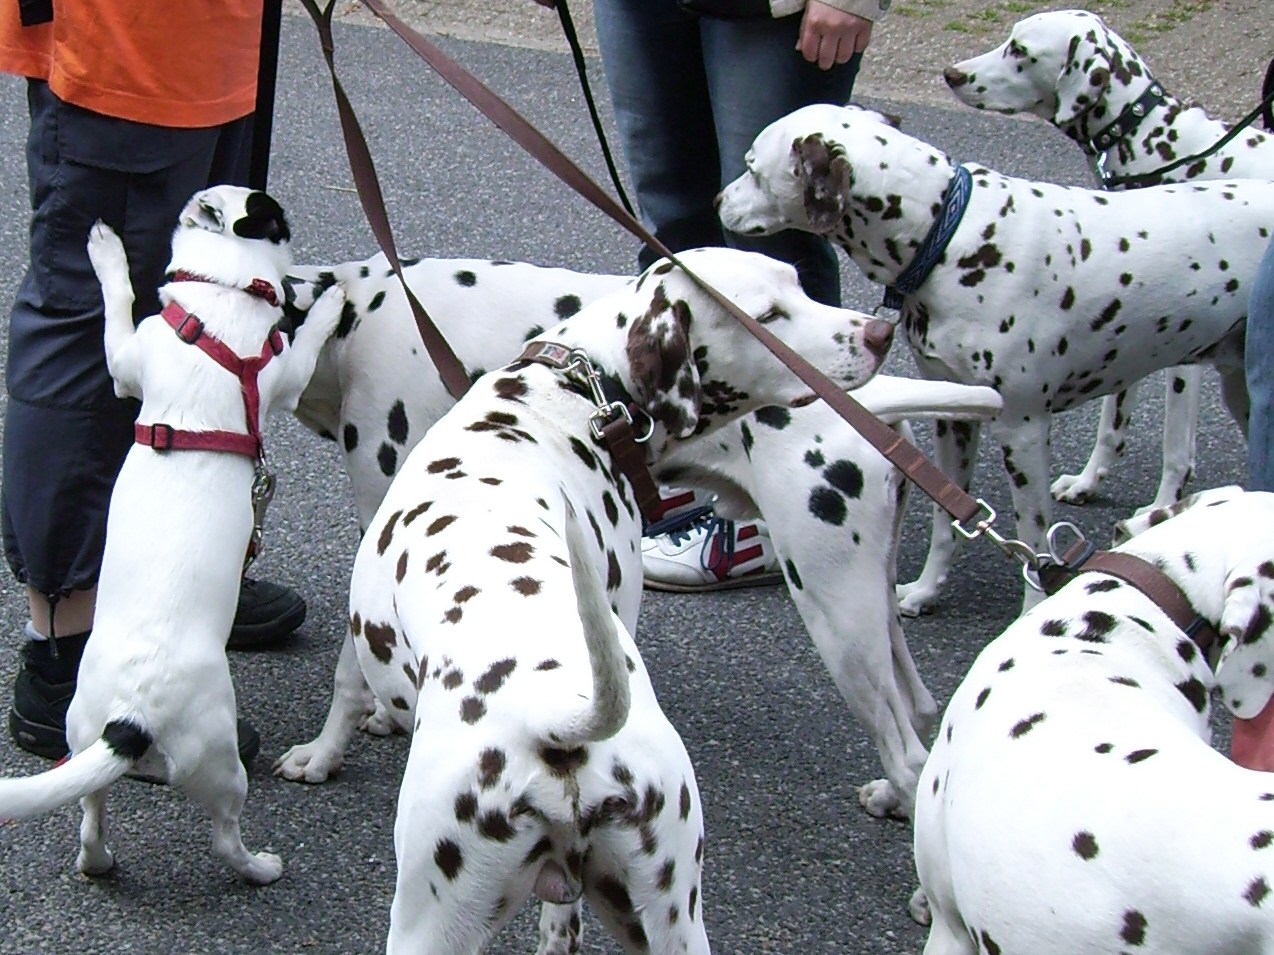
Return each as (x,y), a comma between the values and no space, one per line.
(830,36)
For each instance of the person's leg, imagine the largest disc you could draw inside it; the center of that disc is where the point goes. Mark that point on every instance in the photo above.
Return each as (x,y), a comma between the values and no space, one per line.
(1259,361)
(755,76)
(654,68)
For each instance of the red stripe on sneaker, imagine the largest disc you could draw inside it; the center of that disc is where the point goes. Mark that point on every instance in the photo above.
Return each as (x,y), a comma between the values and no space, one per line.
(747,532)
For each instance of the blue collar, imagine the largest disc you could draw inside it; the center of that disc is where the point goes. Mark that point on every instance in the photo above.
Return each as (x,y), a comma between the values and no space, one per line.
(932,248)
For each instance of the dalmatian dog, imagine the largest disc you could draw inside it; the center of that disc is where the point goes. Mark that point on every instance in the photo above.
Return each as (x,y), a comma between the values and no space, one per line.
(1072,801)
(154,694)
(1050,295)
(1069,68)
(376,393)
(497,628)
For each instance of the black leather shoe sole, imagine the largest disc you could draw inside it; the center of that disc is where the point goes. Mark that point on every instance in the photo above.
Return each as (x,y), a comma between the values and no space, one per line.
(46,741)
(266,615)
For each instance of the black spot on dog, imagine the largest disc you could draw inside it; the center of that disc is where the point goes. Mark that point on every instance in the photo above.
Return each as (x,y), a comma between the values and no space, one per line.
(465,278)
(387,458)
(1256,892)
(563,762)
(773,416)
(1139,755)
(1085,845)
(1006,665)
(684,803)
(472,709)
(1102,586)
(526,586)
(397,423)
(793,577)
(381,639)
(846,477)
(537,851)
(519,552)
(1022,727)
(349,315)
(1134,930)
(466,806)
(828,506)
(566,306)
(495,676)
(1097,626)
(1262,839)
(494,825)
(351,438)
(448,858)
(549,664)
(1053,628)
(1194,691)
(387,533)
(1125,681)
(982,697)
(989,944)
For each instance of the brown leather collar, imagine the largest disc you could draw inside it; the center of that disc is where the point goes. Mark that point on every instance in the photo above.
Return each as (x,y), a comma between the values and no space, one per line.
(612,422)
(1084,558)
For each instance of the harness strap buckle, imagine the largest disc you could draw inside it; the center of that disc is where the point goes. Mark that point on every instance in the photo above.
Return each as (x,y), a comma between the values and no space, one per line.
(189,329)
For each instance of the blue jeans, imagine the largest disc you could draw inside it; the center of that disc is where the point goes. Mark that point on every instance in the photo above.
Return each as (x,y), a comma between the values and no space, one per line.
(690,95)
(1259,361)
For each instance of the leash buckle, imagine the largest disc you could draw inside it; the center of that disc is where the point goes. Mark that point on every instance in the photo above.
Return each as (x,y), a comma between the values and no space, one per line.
(263,484)
(1016,549)
(607,411)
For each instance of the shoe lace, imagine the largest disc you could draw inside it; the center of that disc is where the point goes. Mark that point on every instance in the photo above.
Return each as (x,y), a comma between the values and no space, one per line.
(703,519)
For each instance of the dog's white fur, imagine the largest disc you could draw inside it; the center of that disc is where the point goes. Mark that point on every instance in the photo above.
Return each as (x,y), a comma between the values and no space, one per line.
(154,671)
(471,587)
(1069,68)
(375,392)
(1051,295)
(1072,801)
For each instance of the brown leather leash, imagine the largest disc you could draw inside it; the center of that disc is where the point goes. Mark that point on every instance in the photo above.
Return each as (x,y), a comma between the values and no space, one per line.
(962,507)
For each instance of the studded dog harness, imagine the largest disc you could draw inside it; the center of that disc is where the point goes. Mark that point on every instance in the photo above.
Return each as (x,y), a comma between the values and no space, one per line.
(163,437)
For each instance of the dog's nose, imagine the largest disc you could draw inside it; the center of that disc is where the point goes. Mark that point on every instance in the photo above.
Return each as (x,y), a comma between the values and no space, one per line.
(878,336)
(955,77)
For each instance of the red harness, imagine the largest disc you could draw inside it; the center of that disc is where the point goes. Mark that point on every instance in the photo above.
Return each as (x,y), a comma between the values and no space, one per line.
(189,329)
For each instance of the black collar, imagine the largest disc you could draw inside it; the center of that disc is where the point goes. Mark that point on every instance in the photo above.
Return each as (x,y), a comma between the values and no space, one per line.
(1126,123)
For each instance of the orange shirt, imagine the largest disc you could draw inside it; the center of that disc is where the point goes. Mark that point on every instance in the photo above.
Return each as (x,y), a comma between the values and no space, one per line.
(178,63)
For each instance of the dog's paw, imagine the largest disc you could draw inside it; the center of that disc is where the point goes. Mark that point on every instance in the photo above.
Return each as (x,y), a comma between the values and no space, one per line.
(308,763)
(881,800)
(263,868)
(916,598)
(1076,488)
(325,315)
(918,908)
(106,253)
(378,723)
(97,862)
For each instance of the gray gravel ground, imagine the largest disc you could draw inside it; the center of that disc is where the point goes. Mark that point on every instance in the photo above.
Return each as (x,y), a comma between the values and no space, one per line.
(793,864)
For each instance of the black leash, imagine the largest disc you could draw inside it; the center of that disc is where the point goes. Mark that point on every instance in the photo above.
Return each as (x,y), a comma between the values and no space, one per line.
(1154,178)
(568,28)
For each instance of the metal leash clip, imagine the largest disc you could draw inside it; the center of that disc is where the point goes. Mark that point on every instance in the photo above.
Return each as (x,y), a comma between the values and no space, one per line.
(263,483)
(607,411)
(1016,549)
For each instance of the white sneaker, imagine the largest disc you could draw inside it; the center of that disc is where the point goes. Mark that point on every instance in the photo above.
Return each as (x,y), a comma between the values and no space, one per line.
(710,553)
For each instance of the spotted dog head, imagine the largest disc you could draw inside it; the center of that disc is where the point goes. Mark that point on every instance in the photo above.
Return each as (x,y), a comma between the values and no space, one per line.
(1211,545)
(691,365)
(233,235)
(1059,66)
(822,169)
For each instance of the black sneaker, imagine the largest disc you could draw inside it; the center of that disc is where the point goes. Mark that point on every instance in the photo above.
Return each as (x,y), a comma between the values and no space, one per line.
(267,613)
(37,719)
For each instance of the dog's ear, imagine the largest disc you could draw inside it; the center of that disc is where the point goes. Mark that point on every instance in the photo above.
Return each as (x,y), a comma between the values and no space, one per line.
(1129,528)
(825,179)
(1246,672)
(205,211)
(1085,76)
(263,218)
(662,364)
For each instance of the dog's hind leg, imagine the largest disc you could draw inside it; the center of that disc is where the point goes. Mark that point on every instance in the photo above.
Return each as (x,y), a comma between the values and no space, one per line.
(1180,424)
(317,760)
(1112,437)
(95,857)
(220,785)
(1024,446)
(561,931)
(955,445)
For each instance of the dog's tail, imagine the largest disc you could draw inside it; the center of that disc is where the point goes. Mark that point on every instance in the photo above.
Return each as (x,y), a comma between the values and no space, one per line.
(123,742)
(898,399)
(608,711)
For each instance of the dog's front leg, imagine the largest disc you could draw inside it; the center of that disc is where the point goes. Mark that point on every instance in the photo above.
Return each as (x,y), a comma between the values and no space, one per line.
(308,343)
(1180,423)
(1112,437)
(955,447)
(561,931)
(1024,444)
(110,263)
(316,761)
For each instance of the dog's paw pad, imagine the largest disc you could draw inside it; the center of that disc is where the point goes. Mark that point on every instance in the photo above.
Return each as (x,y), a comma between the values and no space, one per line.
(915,599)
(880,799)
(307,763)
(918,908)
(264,868)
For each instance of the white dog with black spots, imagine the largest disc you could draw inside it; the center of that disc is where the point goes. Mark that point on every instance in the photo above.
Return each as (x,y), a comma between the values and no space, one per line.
(1072,802)
(497,629)
(1069,68)
(1051,295)
(833,503)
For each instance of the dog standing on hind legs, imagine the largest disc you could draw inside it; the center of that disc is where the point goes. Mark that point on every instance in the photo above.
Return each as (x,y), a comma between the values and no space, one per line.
(154,693)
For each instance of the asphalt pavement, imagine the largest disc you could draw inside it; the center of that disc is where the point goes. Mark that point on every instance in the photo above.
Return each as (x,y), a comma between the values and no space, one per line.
(792,863)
